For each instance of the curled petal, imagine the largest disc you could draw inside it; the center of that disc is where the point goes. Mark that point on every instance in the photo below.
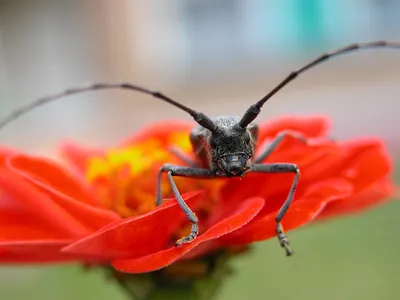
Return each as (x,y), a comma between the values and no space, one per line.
(52,174)
(65,190)
(34,251)
(244,214)
(378,193)
(365,163)
(42,251)
(17,195)
(137,235)
(300,212)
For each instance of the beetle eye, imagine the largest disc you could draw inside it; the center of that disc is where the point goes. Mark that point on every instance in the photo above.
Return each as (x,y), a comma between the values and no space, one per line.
(230,158)
(236,158)
(247,137)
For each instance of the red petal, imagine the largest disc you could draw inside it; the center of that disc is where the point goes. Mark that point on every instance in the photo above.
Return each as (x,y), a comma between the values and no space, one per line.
(377,194)
(20,225)
(4,153)
(160,131)
(300,212)
(201,250)
(65,190)
(77,156)
(315,159)
(52,174)
(134,236)
(33,258)
(352,161)
(34,251)
(19,195)
(311,126)
(366,162)
(25,237)
(41,251)
(245,213)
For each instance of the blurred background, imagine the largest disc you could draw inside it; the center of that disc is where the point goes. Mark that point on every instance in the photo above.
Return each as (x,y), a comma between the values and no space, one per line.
(218,57)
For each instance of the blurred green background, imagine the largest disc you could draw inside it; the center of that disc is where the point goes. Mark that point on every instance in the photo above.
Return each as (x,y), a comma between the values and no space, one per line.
(219,57)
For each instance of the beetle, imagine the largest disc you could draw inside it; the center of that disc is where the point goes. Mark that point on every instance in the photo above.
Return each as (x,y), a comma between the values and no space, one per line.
(224,146)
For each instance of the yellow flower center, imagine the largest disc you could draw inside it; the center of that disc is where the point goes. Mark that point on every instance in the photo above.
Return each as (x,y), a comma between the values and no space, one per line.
(125,178)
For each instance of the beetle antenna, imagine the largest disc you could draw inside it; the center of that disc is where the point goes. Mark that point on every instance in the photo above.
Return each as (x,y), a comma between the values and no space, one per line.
(253,111)
(199,117)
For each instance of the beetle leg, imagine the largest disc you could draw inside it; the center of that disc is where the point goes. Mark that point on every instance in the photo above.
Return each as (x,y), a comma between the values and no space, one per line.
(275,143)
(183,156)
(281,168)
(173,170)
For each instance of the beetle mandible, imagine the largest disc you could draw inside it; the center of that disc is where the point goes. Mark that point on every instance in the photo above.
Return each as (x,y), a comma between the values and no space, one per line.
(224,146)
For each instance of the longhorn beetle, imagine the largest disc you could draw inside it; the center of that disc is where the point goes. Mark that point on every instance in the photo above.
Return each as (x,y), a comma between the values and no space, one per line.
(224,146)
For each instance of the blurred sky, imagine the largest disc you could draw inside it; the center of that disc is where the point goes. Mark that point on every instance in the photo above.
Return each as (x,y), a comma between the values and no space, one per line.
(217,56)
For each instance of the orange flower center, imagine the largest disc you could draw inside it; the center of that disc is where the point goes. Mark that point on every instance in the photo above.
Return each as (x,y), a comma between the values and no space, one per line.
(125,178)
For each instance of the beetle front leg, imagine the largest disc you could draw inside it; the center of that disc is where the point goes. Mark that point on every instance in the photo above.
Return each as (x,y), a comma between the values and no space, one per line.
(184,172)
(281,168)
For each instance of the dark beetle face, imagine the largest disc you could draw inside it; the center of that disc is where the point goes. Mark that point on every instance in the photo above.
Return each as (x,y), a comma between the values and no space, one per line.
(231,149)
(233,164)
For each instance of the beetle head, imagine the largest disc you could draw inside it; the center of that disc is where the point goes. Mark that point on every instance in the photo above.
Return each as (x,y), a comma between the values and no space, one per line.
(231,149)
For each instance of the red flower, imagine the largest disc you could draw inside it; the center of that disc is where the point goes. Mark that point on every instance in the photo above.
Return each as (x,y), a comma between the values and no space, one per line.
(104,211)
